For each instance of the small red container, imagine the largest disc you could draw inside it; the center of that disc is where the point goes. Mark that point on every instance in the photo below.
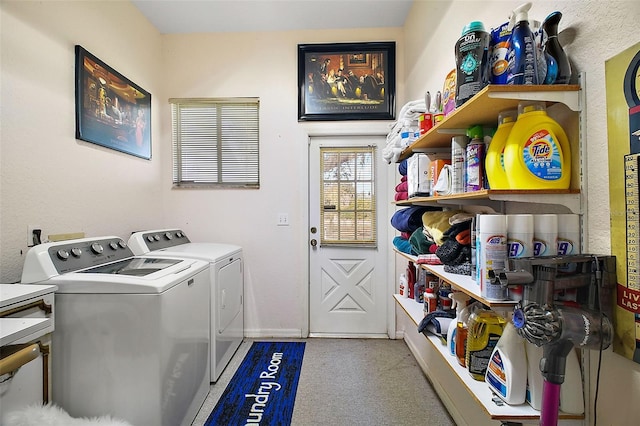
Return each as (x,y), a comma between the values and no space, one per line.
(426,122)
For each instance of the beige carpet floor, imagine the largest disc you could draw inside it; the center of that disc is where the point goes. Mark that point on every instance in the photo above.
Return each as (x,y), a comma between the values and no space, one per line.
(353,382)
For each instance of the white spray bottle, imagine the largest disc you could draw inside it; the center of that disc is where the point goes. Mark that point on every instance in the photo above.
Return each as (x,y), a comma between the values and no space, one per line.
(459,302)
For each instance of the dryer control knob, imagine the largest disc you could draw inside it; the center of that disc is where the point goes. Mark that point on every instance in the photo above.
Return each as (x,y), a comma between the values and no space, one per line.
(76,252)
(62,254)
(168,235)
(97,248)
(122,244)
(113,245)
(150,238)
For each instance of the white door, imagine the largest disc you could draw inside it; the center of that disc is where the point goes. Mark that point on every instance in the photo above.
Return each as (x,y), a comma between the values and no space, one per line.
(348,296)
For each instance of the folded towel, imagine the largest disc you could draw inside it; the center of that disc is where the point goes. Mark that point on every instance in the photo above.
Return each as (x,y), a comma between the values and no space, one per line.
(402,187)
(409,219)
(402,168)
(402,195)
(420,243)
(403,245)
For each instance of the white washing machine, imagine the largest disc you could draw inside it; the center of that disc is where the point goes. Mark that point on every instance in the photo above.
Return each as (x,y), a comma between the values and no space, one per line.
(227,285)
(131,337)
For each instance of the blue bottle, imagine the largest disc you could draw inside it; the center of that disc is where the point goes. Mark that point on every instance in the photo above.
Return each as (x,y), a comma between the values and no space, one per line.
(523,65)
(554,49)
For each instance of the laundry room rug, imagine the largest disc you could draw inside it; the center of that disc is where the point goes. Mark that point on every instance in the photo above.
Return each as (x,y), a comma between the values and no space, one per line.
(263,389)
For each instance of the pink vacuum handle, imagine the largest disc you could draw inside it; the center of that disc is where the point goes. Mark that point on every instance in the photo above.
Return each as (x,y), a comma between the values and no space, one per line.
(550,404)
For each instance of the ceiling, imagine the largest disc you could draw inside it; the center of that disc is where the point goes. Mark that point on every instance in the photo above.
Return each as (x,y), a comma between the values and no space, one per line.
(189,16)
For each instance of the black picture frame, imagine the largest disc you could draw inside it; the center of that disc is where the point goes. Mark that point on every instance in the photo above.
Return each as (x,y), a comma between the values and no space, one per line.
(357,83)
(111,110)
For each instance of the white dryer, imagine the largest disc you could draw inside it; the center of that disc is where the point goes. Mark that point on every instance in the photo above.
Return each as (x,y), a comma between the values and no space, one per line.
(132,332)
(227,285)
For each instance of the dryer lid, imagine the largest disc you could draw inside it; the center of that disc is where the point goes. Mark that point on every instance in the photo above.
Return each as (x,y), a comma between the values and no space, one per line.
(211,252)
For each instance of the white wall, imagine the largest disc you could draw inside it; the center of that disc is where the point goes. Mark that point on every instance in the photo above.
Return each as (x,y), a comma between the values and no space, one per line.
(263,65)
(594,32)
(48,178)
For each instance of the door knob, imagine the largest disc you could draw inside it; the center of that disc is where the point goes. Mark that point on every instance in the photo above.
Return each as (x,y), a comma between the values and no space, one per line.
(314,243)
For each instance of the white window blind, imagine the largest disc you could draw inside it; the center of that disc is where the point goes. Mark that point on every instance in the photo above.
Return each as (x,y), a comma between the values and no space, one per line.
(215,142)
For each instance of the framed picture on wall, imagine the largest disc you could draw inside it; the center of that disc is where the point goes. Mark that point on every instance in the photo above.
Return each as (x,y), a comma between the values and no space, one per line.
(346,81)
(111,110)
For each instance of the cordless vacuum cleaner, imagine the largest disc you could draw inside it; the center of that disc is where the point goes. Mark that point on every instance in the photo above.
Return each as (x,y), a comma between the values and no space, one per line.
(558,328)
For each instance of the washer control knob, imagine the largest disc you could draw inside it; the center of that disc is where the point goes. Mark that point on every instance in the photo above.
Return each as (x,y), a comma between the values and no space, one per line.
(63,254)
(168,235)
(113,245)
(156,237)
(97,248)
(122,244)
(179,234)
(76,252)
(150,238)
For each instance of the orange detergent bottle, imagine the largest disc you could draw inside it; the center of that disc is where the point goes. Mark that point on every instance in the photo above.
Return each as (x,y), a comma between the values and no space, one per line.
(537,154)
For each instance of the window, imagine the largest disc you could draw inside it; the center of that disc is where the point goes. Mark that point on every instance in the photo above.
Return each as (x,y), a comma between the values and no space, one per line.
(215,142)
(348,213)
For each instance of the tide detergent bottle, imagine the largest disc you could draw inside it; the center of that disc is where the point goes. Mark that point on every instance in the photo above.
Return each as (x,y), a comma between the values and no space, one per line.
(494,160)
(537,154)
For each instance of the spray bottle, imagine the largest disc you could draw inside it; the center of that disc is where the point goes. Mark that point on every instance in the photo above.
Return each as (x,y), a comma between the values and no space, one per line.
(507,370)
(554,49)
(523,65)
(459,302)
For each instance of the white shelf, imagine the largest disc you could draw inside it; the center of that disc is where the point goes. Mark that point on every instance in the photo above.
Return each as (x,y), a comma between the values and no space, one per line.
(478,389)
(460,282)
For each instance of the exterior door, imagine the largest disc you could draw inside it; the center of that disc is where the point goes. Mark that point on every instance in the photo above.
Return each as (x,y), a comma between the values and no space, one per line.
(348,296)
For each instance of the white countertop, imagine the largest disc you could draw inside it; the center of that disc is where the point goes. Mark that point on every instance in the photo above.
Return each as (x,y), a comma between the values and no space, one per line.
(16,293)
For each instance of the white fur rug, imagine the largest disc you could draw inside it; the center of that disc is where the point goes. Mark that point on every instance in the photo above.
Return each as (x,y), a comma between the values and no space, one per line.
(52,415)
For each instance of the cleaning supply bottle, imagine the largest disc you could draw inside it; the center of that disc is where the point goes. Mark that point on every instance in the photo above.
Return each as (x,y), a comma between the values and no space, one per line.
(475,153)
(534,375)
(492,254)
(462,329)
(404,291)
(537,153)
(494,160)
(507,370)
(523,63)
(459,302)
(484,330)
(472,61)
(571,391)
(568,240)
(554,49)
(519,244)
(545,235)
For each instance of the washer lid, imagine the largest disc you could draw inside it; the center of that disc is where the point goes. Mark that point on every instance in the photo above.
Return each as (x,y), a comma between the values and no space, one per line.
(137,275)
(133,266)
(210,252)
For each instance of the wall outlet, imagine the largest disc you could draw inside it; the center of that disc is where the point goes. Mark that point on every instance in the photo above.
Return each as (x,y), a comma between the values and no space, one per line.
(33,230)
(283,219)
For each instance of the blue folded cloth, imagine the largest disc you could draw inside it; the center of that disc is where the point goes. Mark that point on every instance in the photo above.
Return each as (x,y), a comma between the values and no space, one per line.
(403,245)
(409,219)
(402,167)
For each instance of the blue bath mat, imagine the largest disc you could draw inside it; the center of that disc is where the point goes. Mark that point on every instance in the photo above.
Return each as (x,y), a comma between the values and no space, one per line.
(263,389)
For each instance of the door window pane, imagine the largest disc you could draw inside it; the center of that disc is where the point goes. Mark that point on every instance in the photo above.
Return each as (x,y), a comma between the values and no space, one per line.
(348,196)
